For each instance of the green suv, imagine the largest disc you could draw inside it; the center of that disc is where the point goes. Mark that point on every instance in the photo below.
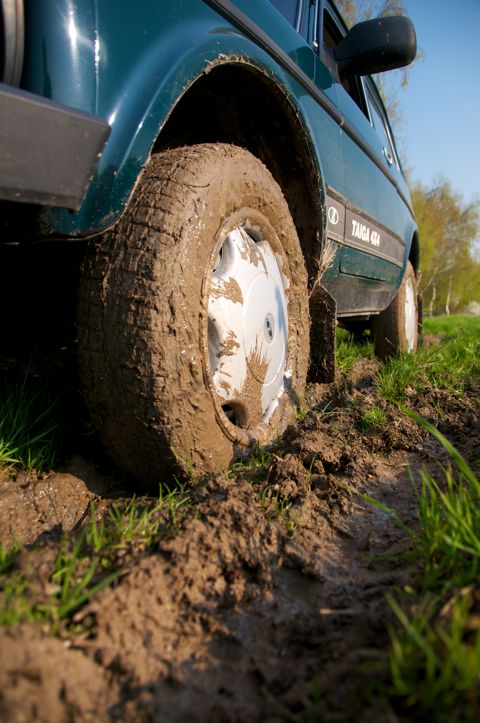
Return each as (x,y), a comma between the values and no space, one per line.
(232,172)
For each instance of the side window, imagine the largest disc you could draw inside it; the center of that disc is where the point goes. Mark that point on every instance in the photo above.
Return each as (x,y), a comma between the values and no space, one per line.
(380,123)
(332,34)
(292,11)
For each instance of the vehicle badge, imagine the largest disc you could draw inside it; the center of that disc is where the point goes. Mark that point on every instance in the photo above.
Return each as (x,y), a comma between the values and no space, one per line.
(333,215)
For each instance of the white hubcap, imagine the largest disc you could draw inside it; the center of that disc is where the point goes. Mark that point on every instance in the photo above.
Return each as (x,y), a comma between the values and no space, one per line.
(247,329)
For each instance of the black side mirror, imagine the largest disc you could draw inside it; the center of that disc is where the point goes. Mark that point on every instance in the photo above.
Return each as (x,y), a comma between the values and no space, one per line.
(376,45)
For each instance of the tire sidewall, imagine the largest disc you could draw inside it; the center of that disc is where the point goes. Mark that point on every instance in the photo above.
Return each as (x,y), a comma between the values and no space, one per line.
(403,309)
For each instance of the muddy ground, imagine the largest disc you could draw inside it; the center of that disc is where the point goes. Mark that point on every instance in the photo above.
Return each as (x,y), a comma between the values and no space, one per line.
(243,614)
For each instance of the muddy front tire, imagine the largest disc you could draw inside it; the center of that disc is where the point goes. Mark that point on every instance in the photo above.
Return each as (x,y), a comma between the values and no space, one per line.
(395,329)
(193,315)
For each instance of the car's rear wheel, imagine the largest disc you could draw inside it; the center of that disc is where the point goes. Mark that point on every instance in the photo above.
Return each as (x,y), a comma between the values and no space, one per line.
(193,315)
(395,329)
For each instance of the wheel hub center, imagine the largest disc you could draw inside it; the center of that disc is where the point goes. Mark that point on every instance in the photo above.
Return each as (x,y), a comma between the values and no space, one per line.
(269,328)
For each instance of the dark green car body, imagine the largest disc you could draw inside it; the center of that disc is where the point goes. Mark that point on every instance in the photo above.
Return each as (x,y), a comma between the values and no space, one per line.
(229,172)
(163,74)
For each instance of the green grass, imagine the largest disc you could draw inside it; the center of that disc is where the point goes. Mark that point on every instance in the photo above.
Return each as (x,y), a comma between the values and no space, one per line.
(435,653)
(254,466)
(7,556)
(452,325)
(88,561)
(434,659)
(29,424)
(435,662)
(447,366)
(450,522)
(373,417)
(348,350)
(138,523)
(276,507)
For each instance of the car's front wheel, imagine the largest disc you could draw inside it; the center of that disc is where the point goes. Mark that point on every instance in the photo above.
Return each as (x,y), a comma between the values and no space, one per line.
(193,315)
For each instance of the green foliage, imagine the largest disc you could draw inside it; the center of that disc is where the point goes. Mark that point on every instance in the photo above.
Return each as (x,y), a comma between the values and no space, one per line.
(29,420)
(354,11)
(448,229)
(88,561)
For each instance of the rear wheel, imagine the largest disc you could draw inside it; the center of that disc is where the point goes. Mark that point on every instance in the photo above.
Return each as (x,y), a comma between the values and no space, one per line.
(193,315)
(395,329)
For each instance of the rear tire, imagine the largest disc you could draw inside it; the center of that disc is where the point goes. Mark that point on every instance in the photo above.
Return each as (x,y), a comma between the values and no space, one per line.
(395,329)
(188,353)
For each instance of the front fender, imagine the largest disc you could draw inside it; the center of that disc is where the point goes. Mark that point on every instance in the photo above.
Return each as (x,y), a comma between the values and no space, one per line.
(136,95)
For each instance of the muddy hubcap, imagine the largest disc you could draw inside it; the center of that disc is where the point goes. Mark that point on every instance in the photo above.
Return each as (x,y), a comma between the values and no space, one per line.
(247,329)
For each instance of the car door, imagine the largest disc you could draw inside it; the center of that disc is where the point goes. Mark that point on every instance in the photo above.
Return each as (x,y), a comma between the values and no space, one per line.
(303,46)
(369,214)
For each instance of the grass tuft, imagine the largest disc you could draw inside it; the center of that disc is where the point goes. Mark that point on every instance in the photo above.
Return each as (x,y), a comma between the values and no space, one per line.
(90,560)
(254,466)
(276,507)
(348,350)
(449,366)
(435,662)
(435,653)
(373,417)
(29,421)
(449,513)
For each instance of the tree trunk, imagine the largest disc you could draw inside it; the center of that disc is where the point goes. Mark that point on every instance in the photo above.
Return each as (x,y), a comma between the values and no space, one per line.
(449,295)
(432,299)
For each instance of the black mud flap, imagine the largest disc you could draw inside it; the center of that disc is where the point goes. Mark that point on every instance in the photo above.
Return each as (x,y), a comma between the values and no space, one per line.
(323,313)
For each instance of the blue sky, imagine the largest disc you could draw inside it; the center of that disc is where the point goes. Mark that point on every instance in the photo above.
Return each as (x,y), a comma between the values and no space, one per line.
(441,105)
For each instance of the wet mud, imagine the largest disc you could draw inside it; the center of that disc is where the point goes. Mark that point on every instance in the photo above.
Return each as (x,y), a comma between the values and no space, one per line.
(269,602)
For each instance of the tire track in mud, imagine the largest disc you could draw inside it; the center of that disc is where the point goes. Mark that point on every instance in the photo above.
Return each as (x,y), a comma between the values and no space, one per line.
(241,616)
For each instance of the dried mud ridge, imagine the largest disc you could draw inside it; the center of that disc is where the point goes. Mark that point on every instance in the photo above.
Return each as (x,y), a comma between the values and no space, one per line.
(242,615)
